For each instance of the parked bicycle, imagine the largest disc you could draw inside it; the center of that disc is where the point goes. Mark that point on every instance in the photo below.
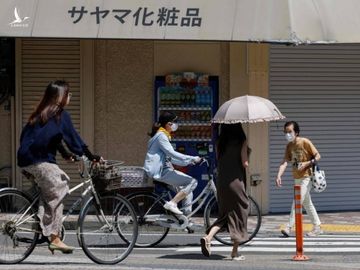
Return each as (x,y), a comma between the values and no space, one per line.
(155,222)
(103,221)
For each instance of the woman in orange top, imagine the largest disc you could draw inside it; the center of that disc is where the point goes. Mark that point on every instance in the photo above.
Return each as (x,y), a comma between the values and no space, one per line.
(302,154)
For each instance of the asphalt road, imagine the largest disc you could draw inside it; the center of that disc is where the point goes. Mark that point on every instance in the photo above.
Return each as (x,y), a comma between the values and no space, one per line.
(182,251)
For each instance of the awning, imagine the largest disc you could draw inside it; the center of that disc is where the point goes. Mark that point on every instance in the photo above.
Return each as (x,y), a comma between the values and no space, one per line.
(292,21)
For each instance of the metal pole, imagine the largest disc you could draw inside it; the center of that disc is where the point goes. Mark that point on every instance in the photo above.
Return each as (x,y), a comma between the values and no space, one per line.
(299,228)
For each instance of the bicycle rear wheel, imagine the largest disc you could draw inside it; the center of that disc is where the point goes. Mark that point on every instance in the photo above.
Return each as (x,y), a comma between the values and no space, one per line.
(147,207)
(19,226)
(107,238)
(253,223)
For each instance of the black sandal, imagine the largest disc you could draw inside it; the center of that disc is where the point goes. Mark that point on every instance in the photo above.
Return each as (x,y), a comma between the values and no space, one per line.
(205,247)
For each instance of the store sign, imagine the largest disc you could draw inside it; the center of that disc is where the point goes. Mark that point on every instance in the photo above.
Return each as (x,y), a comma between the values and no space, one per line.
(144,16)
(119,19)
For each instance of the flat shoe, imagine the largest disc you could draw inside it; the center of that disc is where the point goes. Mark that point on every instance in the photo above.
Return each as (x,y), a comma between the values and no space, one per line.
(205,247)
(65,249)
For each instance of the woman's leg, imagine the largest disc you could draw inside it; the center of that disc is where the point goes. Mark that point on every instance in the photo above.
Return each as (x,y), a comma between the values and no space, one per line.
(205,241)
(178,197)
(214,230)
(308,204)
(53,185)
(185,182)
(234,252)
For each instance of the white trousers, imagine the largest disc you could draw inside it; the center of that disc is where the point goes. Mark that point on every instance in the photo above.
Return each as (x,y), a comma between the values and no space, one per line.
(306,185)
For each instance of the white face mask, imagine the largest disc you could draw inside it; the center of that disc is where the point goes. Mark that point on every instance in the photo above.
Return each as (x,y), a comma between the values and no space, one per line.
(174,127)
(289,137)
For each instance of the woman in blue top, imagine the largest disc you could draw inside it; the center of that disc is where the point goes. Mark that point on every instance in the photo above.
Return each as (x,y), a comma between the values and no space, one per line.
(40,139)
(159,159)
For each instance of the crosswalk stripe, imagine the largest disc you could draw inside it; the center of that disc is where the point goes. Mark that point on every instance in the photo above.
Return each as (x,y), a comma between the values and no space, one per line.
(321,244)
(275,249)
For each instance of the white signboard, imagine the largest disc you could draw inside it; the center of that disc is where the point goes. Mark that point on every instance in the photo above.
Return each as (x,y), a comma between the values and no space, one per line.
(295,21)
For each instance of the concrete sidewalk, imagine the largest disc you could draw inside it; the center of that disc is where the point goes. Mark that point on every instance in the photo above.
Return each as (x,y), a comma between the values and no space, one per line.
(332,223)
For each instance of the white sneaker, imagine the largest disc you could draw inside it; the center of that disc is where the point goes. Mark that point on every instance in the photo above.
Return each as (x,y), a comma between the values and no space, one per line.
(173,208)
(315,232)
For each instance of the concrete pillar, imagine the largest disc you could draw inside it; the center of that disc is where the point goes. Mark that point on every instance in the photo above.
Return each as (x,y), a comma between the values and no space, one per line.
(249,75)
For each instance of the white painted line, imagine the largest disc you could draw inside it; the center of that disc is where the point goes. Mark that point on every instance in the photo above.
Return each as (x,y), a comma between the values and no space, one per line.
(156,248)
(135,248)
(275,249)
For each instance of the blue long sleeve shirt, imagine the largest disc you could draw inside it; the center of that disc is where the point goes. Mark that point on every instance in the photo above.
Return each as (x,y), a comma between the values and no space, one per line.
(38,143)
(159,149)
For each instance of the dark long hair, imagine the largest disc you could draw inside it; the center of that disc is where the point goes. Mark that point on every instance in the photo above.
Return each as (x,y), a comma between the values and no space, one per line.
(52,103)
(230,133)
(164,118)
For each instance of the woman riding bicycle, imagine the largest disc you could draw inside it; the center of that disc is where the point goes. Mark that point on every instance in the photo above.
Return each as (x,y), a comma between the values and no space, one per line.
(159,159)
(40,139)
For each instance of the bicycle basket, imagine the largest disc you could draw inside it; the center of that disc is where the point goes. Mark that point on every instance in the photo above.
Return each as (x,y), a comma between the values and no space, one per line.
(109,169)
(112,176)
(107,175)
(134,176)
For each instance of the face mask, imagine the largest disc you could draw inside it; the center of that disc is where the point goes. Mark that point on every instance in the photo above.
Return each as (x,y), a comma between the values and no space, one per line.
(174,127)
(289,137)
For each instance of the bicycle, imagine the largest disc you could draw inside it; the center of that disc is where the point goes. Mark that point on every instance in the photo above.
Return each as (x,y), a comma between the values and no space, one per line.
(155,222)
(103,221)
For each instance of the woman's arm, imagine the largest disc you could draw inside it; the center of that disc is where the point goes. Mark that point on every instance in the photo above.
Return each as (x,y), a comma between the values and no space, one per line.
(178,158)
(309,146)
(71,137)
(281,171)
(244,155)
(64,153)
(73,140)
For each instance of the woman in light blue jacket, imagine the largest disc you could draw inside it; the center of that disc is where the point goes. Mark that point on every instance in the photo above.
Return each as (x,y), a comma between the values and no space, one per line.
(159,159)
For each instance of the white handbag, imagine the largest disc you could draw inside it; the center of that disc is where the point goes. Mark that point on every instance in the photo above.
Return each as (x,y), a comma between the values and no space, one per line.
(318,179)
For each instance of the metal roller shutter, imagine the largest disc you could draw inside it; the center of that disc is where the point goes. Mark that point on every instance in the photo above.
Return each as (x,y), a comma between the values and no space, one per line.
(318,86)
(44,60)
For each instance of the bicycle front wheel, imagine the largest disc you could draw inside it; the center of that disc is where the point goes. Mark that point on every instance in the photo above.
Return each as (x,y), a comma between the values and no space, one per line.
(148,208)
(108,230)
(253,223)
(19,226)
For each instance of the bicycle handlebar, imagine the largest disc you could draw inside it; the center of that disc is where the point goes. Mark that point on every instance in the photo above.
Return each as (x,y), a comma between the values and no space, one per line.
(85,166)
(204,160)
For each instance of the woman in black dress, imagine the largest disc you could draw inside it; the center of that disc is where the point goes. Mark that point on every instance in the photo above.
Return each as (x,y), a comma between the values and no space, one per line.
(232,153)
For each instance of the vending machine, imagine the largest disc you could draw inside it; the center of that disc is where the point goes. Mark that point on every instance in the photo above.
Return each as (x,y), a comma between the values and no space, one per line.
(194,99)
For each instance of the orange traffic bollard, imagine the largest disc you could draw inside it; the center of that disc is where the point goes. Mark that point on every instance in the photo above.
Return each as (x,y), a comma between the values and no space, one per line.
(299,228)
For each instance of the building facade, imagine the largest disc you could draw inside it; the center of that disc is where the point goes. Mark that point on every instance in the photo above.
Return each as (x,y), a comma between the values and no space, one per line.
(112,105)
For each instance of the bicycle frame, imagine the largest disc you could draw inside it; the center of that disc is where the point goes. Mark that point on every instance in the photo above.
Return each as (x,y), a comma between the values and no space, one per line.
(209,189)
(109,219)
(87,180)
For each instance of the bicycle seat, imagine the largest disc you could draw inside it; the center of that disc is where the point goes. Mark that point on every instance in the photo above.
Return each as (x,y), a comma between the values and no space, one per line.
(161,184)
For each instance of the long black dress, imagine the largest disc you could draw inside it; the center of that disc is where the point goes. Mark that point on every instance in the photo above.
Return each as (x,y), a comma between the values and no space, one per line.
(232,198)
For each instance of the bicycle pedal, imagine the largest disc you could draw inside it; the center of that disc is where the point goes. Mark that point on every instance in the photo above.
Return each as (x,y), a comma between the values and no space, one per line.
(189,230)
(15,242)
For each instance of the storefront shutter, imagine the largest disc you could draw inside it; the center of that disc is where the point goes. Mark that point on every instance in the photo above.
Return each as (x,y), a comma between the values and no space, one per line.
(42,61)
(318,86)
